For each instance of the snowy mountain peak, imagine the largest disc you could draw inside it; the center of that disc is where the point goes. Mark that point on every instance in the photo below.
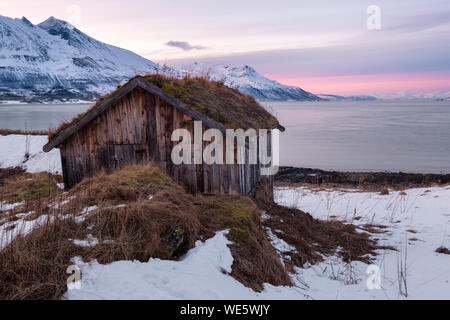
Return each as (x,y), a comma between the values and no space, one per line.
(248,81)
(54,60)
(68,32)
(58,27)
(27,22)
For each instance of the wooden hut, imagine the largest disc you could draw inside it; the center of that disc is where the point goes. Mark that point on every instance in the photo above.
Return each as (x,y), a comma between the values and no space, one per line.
(133,125)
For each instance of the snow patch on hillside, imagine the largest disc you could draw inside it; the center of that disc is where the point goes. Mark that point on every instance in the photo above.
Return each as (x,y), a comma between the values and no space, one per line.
(15,147)
(9,230)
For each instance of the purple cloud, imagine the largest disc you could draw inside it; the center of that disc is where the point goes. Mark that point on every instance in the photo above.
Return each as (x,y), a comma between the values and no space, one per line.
(184,45)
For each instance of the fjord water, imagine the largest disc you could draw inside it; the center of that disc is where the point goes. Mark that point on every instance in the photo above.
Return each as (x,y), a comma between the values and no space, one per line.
(360,136)
(37,117)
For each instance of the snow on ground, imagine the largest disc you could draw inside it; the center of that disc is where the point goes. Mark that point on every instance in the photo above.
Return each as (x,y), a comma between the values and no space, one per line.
(279,244)
(417,221)
(14,147)
(11,229)
(4,206)
(202,274)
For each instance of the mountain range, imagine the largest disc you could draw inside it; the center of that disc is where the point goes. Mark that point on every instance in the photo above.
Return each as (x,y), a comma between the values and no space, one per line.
(53,60)
(443,95)
(248,81)
(333,97)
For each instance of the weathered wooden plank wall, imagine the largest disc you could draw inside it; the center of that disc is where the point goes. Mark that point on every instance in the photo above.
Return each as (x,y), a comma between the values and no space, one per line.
(137,129)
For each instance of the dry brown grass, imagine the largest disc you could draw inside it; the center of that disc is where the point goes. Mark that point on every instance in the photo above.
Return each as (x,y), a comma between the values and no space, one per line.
(374,228)
(129,184)
(314,238)
(6,132)
(165,227)
(143,230)
(34,266)
(8,173)
(255,260)
(443,250)
(25,187)
(217,101)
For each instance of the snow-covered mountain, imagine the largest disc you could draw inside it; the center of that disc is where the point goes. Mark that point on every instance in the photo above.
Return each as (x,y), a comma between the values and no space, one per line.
(54,60)
(443,95)
(248,81)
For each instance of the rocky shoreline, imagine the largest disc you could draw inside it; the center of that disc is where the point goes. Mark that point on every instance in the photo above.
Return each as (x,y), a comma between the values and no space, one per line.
(363,180)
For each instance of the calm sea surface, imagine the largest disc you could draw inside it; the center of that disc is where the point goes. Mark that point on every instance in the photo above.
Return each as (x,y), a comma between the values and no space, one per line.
(38,116)
(375,136)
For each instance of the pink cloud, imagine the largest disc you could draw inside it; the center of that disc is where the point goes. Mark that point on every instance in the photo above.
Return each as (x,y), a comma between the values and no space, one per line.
(367,83)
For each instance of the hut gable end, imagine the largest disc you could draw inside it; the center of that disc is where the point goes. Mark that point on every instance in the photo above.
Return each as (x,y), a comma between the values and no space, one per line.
(134,125)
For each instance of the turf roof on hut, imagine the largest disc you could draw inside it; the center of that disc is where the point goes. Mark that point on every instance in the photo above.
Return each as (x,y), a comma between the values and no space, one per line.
(213,99)
(217,101)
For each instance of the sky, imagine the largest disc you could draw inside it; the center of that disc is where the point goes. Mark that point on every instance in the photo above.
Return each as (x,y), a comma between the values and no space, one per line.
(335,47)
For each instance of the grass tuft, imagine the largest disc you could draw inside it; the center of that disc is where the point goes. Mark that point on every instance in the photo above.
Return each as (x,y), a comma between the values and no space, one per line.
(28,187)
(7,132)
(129,184)
(217,101)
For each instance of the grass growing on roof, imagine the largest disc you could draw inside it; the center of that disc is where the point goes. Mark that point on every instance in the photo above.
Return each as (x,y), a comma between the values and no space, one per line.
(217,101)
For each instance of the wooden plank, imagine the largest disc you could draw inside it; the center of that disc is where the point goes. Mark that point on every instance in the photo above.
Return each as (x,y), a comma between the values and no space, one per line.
(151,131)
(106,103)
(124,117)
(135,120)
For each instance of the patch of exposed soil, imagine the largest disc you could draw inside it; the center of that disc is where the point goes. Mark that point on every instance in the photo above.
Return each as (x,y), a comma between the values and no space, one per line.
(375,181)
(443,250)
(312,238)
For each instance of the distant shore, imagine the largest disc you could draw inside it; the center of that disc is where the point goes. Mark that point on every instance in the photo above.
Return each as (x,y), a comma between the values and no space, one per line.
(44,102)
(363,180)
